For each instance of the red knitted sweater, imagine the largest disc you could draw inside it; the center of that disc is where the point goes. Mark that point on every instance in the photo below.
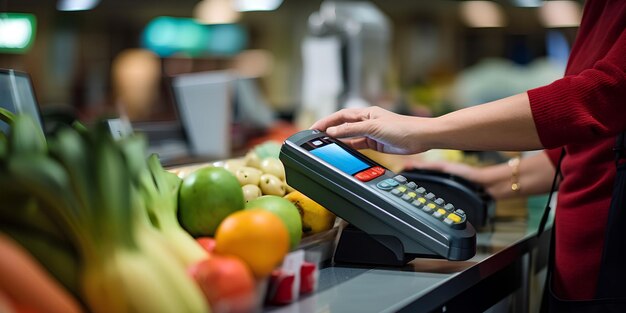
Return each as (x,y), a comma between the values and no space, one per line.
(584,111)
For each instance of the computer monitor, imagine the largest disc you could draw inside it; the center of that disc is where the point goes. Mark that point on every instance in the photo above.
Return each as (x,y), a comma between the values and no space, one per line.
(204,103)
(17,95)
(210,103)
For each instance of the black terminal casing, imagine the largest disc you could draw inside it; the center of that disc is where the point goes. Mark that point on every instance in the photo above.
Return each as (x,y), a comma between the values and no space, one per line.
(371,210)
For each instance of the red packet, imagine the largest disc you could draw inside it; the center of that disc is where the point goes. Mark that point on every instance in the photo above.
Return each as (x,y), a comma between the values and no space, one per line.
(284,285)
(308,277)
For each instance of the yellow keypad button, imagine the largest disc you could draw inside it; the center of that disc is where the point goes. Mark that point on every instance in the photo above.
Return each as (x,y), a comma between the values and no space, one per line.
(441,211)
(411,195)
(422,200)
(432,205)
(455,218)
(401,188)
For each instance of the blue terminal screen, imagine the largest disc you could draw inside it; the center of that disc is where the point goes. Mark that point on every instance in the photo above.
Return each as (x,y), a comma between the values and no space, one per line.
(340,158)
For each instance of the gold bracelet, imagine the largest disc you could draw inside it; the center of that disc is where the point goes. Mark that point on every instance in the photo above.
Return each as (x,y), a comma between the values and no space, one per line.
(514,164)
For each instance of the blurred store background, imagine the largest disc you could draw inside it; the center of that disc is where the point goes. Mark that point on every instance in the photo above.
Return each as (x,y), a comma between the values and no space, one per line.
(257,69)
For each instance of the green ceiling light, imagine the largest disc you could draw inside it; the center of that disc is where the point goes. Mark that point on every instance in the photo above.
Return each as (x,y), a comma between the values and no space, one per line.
(17,32)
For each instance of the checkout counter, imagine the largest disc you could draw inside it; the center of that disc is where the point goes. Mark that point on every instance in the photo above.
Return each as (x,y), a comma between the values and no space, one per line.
(506,275)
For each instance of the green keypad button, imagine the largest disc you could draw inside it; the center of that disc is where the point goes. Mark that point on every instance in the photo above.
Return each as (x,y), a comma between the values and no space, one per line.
(387,184)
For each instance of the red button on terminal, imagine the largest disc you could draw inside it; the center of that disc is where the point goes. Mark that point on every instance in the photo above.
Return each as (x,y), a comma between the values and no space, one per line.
(364,176)
(370,173)
(378,170)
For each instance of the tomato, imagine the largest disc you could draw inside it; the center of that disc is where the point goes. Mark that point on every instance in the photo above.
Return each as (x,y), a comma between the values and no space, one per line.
(207,243)
(227,284)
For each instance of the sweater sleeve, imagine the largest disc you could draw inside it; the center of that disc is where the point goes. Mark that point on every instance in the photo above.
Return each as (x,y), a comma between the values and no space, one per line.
(554,155)
(589,105)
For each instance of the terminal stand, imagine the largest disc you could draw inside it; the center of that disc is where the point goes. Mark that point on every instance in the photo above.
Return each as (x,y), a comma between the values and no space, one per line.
(356,246)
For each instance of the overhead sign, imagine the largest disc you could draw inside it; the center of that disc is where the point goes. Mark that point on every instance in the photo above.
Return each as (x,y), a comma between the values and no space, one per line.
(167,36)
(17,32)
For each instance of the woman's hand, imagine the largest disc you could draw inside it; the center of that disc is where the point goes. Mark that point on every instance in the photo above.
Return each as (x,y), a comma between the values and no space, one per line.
(377,129)
(535,175)
(503,125)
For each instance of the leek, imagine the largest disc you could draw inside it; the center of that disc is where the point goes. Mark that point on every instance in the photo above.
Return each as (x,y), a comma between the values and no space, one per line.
(85,181)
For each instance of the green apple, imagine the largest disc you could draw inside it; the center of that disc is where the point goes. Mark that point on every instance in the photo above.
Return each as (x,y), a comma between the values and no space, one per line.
(206,197)
(284,209)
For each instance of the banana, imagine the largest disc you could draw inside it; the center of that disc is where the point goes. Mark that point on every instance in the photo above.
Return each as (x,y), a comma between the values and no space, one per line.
(315,218)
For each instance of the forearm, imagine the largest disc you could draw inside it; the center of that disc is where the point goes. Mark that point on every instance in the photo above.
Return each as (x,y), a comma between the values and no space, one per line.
(505,124)
(534,176)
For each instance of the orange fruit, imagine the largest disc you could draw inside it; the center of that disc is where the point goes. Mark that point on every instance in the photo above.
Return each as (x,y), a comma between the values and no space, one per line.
(287,212)
(256,236)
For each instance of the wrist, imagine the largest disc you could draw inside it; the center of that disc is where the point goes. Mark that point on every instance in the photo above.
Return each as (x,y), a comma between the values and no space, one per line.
(434,133)
(514,165)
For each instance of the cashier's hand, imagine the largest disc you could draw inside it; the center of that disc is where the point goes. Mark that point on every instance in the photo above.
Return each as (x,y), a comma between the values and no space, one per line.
(375,128)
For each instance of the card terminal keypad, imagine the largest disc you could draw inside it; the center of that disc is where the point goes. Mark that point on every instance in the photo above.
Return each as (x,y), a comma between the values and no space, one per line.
(421,199)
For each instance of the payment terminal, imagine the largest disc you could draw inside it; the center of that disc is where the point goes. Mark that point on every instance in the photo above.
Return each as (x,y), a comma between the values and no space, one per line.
(399,215)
